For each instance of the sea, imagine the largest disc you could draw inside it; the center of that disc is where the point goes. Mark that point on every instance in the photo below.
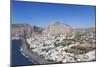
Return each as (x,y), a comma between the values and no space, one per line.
(17,59)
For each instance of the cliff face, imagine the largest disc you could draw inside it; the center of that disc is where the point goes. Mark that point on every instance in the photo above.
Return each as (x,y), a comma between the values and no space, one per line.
(24,30)
(21,30)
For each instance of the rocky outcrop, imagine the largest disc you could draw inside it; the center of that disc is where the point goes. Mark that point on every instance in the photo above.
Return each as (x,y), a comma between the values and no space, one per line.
(21,30)
(24,30)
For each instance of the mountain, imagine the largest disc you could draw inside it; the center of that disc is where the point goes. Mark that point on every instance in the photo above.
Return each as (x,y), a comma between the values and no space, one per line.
(21,30)
(24,30)
(37,29)
(83,30)
(57,28)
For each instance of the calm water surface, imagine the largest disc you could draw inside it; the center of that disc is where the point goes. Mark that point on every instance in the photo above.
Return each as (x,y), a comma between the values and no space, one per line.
(17,59)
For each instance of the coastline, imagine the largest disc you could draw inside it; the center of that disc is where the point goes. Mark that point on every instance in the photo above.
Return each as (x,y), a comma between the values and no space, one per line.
(17,58)
(33,57)
(21,50)
(36,59)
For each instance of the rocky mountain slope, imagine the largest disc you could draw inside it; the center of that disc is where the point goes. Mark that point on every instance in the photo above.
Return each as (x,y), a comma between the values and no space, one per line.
(24,30)
(57,28)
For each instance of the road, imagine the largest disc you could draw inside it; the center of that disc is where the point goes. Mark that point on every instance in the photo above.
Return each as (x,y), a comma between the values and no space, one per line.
(35,58)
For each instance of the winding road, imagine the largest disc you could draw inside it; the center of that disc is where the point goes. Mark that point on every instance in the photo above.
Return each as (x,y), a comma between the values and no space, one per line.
(34,58)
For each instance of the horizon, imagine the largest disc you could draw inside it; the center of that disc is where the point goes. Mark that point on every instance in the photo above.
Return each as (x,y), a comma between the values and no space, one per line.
(42,14)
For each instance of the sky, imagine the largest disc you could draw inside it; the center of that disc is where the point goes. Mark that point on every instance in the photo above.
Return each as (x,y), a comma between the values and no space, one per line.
(43,14)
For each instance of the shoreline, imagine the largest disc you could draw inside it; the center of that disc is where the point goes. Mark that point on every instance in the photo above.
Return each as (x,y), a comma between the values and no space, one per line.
(33,57)
(36,59)
(26,56)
